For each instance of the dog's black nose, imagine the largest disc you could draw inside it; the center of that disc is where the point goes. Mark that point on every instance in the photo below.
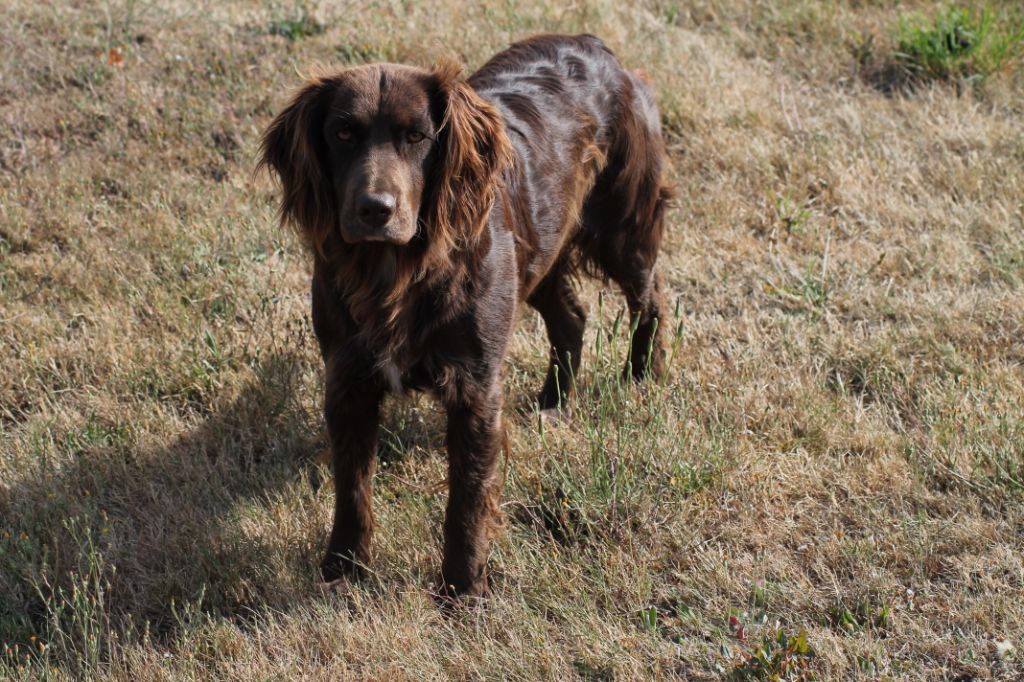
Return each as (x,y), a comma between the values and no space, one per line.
(375,210)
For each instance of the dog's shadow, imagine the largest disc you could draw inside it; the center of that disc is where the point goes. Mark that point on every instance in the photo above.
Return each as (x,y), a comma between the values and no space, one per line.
(101,530)
(132,535)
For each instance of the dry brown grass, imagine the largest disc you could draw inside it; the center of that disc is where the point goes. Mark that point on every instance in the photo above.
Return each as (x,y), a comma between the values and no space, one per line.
(839,449)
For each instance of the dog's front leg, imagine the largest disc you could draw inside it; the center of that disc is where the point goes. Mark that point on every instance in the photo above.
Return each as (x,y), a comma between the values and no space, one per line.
(352,411)
(475,439)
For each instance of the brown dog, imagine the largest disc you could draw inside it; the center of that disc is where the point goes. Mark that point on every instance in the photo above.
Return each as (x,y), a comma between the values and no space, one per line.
(432,207)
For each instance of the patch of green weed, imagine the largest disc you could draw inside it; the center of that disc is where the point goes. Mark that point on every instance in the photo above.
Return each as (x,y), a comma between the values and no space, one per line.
(294,23)
(778,657)
(959,43)
(865,614)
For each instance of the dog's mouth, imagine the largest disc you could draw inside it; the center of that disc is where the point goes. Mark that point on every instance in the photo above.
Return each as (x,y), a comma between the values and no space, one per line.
(355,233)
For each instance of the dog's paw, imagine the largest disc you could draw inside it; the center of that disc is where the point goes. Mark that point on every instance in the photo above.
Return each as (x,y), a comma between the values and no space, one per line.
(338,586)
(449,596)
(553,416)
(339,567)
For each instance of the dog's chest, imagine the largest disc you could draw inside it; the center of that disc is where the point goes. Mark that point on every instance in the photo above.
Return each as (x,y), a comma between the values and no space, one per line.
(428,373)
(438,369)
(392,376)
(426,349)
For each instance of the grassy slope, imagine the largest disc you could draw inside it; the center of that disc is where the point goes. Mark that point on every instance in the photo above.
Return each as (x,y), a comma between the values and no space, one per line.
(840,440)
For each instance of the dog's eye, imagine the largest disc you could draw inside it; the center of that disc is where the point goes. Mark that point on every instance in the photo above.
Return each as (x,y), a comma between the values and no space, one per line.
(414,136)
(345,134)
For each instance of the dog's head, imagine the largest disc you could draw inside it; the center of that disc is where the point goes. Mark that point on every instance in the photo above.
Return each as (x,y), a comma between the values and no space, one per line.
(387,153)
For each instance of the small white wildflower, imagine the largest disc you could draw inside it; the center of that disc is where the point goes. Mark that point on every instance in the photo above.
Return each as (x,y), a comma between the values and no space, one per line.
(1004,649)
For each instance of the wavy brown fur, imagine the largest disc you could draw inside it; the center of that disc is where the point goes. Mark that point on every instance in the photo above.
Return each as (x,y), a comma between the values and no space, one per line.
(476,150)
(433,207)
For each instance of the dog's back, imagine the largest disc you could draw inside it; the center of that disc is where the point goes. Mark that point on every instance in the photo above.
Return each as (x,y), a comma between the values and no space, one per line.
(588,140)
(587,190)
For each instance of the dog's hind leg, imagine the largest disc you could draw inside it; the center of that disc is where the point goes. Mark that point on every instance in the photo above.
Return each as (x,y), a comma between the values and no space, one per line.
(634,271)
(623,220)
(565,318)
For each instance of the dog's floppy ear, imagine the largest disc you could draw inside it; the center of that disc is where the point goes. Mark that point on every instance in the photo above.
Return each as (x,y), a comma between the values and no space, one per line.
(473,149)
(291,147)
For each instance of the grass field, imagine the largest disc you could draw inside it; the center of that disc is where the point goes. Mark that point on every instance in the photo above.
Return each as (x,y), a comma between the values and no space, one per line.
(829,485)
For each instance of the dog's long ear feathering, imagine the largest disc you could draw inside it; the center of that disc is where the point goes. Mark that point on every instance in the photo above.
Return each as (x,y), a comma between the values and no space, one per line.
(473,149)
(290,150)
